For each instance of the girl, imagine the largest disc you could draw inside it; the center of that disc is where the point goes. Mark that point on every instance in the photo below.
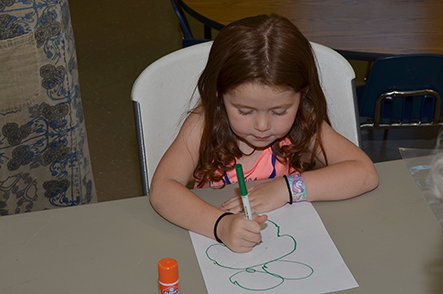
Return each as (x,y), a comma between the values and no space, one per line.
(262,106)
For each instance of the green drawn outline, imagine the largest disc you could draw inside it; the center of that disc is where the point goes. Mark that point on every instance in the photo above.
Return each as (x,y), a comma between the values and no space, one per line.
(251,269)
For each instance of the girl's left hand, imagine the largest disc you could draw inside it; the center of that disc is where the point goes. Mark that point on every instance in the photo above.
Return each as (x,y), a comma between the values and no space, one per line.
(262,198)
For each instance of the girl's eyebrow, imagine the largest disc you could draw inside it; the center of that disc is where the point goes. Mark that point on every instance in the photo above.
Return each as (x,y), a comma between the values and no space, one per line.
(282,106)
(240,105)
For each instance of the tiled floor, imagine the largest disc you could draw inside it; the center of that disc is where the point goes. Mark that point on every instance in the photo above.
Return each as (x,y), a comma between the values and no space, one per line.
(115,41)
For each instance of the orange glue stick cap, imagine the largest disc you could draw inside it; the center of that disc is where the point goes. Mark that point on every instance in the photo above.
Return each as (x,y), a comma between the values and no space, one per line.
(168,271)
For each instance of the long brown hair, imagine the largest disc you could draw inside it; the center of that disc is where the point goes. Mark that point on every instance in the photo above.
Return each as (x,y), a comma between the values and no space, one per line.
(269,50)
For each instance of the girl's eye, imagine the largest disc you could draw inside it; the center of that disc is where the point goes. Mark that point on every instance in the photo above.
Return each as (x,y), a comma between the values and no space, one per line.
(244,112)
(279,113)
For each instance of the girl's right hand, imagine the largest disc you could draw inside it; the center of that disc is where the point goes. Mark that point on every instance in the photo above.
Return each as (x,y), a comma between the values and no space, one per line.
(240,234)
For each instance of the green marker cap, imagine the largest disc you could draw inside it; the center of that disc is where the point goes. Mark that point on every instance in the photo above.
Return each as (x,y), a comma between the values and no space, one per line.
(241,179)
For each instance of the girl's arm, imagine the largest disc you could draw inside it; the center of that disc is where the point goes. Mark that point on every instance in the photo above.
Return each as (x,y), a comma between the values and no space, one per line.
(349,173)
(172,200)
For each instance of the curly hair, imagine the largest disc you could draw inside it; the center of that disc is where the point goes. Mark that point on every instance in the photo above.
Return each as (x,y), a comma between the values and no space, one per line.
(268,50)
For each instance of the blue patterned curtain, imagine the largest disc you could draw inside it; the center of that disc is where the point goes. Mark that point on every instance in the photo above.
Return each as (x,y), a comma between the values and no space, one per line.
(44,156)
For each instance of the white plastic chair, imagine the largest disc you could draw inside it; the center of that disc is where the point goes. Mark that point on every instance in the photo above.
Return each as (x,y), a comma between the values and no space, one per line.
(163,91)
(337,78)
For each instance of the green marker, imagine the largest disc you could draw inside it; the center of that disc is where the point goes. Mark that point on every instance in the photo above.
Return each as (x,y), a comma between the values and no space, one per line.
(243,191)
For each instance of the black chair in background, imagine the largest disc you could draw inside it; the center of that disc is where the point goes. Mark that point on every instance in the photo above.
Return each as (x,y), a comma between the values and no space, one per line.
(188,37)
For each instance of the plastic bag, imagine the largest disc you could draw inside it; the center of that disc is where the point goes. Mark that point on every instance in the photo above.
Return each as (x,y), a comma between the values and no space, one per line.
(426,167)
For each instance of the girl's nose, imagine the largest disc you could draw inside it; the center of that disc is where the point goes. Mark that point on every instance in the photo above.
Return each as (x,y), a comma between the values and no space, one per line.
(262,123)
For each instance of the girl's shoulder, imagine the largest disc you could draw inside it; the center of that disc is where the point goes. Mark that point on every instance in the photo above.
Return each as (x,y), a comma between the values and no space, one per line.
(194,121)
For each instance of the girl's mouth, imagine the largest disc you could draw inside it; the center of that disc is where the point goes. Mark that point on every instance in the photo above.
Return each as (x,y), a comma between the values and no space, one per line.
(262,138)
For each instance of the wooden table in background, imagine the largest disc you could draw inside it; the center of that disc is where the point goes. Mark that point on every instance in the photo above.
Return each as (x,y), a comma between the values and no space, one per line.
(363,29)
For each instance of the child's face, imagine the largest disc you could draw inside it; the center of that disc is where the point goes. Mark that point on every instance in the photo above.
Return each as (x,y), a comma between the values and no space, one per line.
(260,114)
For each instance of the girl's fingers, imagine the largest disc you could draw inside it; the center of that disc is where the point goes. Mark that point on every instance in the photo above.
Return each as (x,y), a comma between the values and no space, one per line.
(253,237)
(233,205)
(260,218)
(240,234)
(232,200)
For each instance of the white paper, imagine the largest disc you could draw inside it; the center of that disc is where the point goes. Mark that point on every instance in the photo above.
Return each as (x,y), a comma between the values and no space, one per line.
(297,256)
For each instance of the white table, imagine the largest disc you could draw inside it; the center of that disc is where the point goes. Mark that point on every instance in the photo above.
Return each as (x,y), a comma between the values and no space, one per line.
(389,239)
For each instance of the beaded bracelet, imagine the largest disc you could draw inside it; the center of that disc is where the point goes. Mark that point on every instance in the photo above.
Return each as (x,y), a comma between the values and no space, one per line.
(216,224)
(296,188)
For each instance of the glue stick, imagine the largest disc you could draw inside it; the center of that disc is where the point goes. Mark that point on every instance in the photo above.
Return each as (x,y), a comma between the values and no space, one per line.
(168,276)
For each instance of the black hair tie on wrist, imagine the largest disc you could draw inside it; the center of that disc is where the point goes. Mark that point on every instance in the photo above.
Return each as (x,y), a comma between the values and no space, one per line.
(216,224)
(289,189)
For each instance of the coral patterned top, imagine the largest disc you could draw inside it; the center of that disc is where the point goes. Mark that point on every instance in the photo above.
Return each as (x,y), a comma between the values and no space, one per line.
(266,167)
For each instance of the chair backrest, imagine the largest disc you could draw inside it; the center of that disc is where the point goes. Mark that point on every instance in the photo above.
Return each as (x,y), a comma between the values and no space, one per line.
(407,88)
(166,89)
(337,78)
(188,37)
(184,25)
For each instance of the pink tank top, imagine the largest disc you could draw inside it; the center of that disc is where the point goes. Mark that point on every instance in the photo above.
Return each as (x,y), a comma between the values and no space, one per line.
(266,167)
